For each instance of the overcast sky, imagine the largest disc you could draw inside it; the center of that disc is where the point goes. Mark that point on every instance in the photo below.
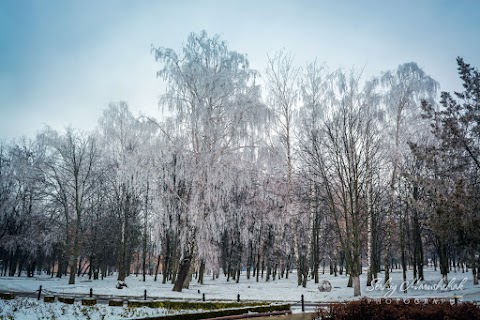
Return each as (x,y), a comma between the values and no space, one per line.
(62,62)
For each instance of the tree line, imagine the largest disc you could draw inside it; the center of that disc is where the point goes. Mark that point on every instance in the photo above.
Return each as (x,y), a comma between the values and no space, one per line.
(299,168)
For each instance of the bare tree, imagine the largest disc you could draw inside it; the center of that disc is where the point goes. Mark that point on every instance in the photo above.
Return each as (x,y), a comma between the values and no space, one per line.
(338,152)
(73,160)
(282,82)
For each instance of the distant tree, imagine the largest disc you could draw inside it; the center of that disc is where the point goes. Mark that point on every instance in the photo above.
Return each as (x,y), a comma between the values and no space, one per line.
(24,224)
(72,160)
(283,96)
(453,160)
(405,88)
(126,143)
(315,89)
(337,152)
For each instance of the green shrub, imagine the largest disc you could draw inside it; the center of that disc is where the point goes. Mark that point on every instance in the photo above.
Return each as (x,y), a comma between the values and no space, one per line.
(115,303)
(192,305)
(89,302)
(223,313)
(7,295)
(140,303)
(66,300)
(49,299)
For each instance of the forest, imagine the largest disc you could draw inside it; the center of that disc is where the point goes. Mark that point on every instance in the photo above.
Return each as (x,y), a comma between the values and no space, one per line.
(247,173)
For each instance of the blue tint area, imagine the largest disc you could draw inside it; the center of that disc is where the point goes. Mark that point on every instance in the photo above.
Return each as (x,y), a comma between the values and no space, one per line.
(60,56)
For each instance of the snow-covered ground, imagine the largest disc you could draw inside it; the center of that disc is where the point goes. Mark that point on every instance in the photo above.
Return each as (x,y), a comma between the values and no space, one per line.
(461,286)
(31,309)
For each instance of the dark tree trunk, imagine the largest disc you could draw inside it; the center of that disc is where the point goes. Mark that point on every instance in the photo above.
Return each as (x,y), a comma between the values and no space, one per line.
(201,271)
(182,274)
(443,257)
(158,267)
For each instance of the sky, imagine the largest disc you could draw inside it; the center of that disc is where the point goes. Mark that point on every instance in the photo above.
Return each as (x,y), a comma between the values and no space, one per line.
(63,61)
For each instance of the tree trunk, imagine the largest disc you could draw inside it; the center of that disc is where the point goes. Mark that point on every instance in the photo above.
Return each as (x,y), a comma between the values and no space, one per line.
(475,275)
(442,255)
(159,259)
(249,261)
(258,267)
(417,240)
(356,286)
(183,271)
(402,248)
(201,271)
(74,257)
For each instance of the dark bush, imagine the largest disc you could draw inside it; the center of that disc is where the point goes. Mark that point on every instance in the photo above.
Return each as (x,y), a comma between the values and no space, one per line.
(7,295)
(192,305)
(408,309)
(223,313)
(115,303)
(89,301)
(67,300)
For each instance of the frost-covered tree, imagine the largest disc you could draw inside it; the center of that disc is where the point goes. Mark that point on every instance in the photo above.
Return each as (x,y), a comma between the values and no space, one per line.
(210,88)
(283,95)
(24,224)
(405,88)
(128,144)
(315,88)
(72,158)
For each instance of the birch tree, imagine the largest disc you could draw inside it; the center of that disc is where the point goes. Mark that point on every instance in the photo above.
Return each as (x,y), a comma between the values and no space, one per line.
(405,87)
(315,89)
(126,142)
(282,81)
(210,90)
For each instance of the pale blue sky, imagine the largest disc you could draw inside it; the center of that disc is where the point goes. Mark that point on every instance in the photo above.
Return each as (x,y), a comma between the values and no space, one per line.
(62,62)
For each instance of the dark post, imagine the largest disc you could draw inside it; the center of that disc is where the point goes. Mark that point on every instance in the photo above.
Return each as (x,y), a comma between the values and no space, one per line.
(303,304)
(145,295)
(456,299)
(39,292)
(238,297)
(91,292)
(203,296)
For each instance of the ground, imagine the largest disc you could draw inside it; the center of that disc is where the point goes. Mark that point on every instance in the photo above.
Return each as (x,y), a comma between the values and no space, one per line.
(283,290)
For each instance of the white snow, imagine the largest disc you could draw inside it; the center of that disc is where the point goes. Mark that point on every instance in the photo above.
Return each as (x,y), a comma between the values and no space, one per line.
(283,290)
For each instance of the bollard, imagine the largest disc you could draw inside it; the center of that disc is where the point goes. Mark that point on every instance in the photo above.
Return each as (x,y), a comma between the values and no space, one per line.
(203,296)
(238,297)
(303,304)
(39,292)
(145,295)
(91,292)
